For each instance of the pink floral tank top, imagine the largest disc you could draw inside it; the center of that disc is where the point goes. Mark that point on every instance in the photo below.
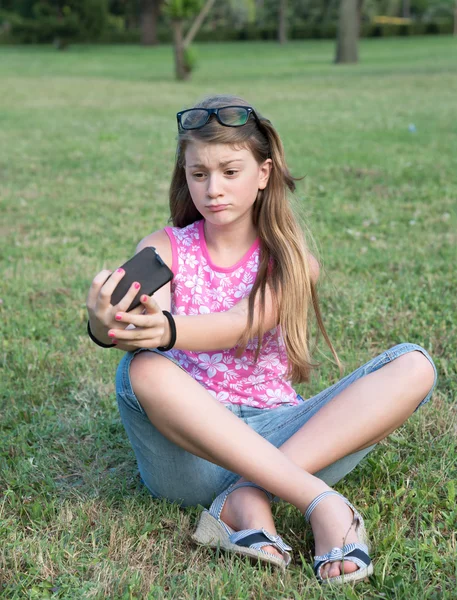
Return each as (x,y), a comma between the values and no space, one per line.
(201,287)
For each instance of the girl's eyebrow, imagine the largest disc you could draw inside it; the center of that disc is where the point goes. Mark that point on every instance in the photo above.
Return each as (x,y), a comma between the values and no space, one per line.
(222,164)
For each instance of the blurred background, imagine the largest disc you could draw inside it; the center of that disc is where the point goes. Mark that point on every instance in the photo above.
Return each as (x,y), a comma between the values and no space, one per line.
(154,22)
(363,95)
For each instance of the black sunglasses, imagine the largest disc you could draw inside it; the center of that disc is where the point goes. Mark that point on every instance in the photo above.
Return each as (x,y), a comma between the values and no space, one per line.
(229,116)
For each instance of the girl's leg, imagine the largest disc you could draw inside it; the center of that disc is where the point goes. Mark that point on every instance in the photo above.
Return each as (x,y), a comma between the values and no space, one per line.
(359,416)
(187,415)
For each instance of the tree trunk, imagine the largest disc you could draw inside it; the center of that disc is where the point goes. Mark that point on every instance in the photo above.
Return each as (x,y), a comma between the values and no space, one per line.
(455,18)
(282,30)
(178,43)
(348,32)
(198,22)
(406,12)
(150,10)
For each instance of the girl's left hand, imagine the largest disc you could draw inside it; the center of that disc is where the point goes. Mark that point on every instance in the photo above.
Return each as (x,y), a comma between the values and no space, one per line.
(148,330)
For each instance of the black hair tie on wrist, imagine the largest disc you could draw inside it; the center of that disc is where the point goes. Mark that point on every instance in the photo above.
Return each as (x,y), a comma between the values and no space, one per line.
(94,339)
(172,324)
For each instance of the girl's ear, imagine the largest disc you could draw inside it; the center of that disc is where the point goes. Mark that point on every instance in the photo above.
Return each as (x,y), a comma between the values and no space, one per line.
(264,173)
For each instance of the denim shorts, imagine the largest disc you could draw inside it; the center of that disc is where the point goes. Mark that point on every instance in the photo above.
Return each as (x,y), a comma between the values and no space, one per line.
(170,472)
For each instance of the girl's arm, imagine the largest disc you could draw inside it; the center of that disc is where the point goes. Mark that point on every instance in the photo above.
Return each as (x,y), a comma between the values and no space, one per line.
(198,333)
(102,315)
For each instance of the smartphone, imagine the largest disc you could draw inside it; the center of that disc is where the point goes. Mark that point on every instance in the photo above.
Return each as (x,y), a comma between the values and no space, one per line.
(148,269)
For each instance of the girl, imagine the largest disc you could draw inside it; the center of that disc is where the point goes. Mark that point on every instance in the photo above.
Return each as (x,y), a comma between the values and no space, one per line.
(206,395)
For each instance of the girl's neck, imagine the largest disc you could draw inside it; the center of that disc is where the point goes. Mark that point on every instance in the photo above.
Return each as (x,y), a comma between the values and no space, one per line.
(233,240)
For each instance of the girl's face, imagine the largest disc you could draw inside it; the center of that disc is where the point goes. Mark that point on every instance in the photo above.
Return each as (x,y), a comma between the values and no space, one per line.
(224,182)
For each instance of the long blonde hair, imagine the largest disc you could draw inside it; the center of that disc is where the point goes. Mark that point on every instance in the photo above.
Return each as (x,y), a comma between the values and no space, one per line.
(282,241)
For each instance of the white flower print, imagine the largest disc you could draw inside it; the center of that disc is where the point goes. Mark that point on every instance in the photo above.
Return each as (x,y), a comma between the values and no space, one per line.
(249,401)
(242,363)
(231,375)
(228,302)
(197,299)
(196,373)
(258,381)
(217,294)
(252,344)
(177,287)
(191,261)
(243,290)
(253,265)
(248,278)
(209,270)
(212,364)
(185,298)
(183,235)
(221,396)
(269,361)
(201,310)
(237,386)
(195,284)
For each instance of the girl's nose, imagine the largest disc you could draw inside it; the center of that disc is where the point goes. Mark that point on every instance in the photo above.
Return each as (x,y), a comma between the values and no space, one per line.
(214,186)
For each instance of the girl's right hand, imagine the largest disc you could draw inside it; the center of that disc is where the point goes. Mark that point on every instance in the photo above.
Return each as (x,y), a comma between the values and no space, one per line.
(98,303)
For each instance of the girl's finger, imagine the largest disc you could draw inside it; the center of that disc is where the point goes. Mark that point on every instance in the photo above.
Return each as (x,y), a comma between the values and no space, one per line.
(132,335)
(126,301)
(147,321)
(151,343)
(150,305)
(110,285)
(96,284)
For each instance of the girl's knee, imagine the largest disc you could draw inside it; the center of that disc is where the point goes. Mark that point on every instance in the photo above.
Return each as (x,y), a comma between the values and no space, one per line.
(148,372)
(418,369)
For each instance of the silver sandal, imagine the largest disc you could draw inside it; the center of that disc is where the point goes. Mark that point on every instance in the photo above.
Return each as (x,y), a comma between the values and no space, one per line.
(356,552)
(212,531)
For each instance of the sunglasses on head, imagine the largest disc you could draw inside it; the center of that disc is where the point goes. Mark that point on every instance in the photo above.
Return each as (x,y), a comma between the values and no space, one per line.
(229,116)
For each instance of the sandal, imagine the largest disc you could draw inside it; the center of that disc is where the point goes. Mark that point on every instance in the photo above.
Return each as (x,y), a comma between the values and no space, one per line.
(355,552)
(213,532)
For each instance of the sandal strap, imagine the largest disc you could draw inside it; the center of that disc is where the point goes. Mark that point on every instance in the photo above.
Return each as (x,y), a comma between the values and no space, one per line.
(216,507)
(258,538)
(324,495)
(356,553)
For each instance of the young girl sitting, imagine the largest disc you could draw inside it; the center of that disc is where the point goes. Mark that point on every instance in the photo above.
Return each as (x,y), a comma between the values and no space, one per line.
(206,395)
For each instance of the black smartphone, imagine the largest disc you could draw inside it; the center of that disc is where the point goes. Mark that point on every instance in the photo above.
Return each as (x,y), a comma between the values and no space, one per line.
(148,269)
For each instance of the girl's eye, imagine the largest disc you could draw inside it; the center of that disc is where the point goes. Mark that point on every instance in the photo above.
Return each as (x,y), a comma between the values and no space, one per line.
(199,175)
(231,172)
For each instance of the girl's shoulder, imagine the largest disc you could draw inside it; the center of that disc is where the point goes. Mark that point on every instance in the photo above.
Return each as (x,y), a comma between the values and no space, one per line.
(161,242)
(168,240)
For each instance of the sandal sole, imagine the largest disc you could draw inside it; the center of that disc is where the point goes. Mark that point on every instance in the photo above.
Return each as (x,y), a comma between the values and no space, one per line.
(211,533)
(359,575)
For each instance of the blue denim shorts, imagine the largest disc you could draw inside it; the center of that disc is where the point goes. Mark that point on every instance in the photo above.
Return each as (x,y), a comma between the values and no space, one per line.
(170,472)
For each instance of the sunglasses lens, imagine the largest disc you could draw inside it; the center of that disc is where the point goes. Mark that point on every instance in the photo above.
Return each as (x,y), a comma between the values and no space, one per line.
(194,118)
(233,116)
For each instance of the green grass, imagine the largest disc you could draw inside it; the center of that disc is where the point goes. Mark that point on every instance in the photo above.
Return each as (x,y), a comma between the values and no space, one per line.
(87,141)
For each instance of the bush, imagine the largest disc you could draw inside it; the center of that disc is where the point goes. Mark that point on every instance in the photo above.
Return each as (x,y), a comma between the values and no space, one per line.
(443,26)
(93,15)
(47,30)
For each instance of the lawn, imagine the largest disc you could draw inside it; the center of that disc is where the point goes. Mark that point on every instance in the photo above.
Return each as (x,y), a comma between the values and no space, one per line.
(87,142)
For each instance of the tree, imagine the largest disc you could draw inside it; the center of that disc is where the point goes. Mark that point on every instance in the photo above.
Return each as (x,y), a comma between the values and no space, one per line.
(455,18)
(178,11)
(149,15)
(282,31)
(348,31)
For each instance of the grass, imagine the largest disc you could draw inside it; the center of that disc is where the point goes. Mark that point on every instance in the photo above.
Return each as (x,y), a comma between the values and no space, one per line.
(87,140)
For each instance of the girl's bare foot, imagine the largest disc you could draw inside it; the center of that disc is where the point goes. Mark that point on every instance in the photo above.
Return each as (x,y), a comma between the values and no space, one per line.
(332,524)
(249,508)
